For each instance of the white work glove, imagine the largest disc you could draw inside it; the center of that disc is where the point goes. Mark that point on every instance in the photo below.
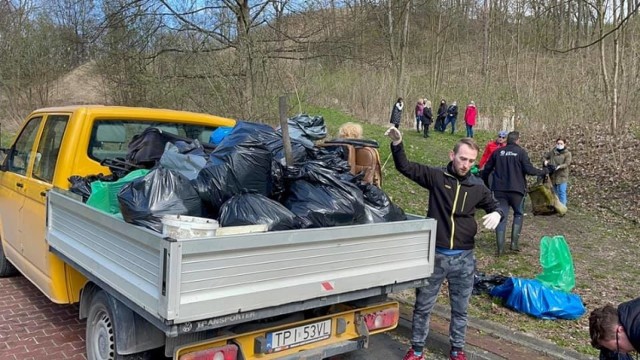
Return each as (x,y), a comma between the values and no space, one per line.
(491,221)
(394,134)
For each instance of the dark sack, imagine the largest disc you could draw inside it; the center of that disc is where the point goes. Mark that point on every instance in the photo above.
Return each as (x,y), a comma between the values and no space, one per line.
(324,206)
(378,205)
(267,137)
(161,192)
(146,148)
(323,197)
(244,167)
(251,209)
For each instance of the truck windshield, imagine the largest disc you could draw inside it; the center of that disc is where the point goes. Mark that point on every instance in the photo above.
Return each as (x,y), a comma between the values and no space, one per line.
(110,138)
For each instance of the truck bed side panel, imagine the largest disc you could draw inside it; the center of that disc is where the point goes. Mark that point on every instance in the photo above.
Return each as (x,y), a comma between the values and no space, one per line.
(188,280)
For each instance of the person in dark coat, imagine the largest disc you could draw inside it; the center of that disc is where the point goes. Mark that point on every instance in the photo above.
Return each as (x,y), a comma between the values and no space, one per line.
(427,117)
(508,167)
(454,196)
(452,116)
(396,113)
(616,331)
(419,112)
(442,114)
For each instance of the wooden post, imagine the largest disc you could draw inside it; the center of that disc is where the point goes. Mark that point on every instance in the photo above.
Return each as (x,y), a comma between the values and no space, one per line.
(283,106)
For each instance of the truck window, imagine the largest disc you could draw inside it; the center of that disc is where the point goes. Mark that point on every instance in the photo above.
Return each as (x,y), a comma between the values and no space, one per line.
(110,138)
(49,147)
(18,158)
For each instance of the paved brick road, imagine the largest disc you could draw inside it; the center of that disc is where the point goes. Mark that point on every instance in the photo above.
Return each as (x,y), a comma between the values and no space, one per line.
(34,328)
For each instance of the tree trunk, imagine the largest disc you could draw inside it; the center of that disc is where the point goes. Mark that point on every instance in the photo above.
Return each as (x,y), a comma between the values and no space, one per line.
(485,44)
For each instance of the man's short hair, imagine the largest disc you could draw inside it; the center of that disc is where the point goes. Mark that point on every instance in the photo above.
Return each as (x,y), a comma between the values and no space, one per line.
(513,137)
(466,141)
(602,322)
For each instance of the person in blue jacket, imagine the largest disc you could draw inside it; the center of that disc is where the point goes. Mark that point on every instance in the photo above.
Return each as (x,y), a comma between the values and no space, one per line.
(616,331)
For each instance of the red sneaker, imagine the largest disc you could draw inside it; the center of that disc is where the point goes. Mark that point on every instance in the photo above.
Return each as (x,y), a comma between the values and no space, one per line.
(412,356)
(457,355)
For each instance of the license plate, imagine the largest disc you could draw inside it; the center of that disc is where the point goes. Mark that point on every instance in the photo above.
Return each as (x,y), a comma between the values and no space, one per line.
(305,334)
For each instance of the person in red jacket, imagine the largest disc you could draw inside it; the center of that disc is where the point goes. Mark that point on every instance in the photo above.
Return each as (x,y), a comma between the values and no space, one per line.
(470,115)
(492,146)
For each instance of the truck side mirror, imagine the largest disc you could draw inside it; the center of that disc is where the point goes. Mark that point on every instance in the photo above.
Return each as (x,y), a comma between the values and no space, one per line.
(4,155)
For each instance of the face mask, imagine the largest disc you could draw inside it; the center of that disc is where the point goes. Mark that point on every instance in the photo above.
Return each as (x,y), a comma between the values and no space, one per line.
(560,147)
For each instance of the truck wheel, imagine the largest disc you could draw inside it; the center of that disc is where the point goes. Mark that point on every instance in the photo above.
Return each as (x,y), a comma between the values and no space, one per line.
(100,332)
(6,268)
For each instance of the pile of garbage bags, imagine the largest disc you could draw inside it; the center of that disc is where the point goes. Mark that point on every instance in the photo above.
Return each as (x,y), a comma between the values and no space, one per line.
(242,179)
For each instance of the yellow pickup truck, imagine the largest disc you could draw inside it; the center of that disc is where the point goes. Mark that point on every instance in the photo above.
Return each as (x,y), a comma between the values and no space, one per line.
(297,294)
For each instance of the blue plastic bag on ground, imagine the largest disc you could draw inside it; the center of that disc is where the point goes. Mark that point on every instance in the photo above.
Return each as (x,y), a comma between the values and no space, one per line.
(532,297)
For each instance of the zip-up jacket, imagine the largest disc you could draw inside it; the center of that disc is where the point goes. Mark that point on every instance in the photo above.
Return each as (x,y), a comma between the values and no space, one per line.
(629,317)
(453,199)
(509,165)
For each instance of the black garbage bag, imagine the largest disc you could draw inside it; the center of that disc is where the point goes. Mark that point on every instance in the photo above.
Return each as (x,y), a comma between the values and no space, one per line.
(244,167)
(323,197)
(146,149)
(380,207)
(322,205)
(161,192)
(82,185)
(250,209)
(266,135)
(483,284)
(187,163)
(307,129)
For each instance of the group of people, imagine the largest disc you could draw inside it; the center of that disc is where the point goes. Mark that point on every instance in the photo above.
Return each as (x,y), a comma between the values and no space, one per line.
(615,331)
(446,115)
(454,196)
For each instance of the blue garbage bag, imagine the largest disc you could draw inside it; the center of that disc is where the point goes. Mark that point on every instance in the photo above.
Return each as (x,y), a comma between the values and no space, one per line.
(219,134)
(531,297)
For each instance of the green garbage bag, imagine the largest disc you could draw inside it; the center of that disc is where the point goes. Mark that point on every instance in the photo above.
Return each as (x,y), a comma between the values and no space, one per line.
(557,264)
(104,194)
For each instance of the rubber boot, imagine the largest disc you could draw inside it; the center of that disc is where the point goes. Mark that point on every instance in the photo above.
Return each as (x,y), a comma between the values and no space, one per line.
(515,236)
(500,239)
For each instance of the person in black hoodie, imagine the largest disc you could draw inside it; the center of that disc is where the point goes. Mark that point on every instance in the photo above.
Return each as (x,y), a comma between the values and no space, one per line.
(441,115)
(508,167)
(616,332)
(454,196)
(427,117)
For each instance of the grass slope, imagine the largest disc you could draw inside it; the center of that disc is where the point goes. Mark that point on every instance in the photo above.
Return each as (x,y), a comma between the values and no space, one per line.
(604,249)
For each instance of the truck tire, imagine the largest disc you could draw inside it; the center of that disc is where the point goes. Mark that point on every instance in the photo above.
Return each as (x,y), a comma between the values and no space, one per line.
(6,268)
(100,332)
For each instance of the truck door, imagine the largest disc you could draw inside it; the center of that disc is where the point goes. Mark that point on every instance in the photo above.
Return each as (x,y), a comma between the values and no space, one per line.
(12,190)
(45,270)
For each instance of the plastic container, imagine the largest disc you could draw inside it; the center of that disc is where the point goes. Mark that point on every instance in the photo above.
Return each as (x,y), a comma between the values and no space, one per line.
(188,227)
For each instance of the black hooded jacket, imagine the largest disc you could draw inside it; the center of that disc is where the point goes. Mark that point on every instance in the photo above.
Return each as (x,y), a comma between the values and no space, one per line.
(509,166)
(453,200)
(629,318)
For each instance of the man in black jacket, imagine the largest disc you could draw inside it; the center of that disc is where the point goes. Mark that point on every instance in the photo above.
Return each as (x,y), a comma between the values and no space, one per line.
(616,332)
(509,165)
(454,195)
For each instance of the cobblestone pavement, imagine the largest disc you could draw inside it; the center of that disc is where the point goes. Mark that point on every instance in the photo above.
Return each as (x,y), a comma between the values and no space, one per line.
(34,328)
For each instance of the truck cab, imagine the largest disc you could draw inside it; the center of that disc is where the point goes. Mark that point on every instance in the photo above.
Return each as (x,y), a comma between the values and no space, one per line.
(52,145)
